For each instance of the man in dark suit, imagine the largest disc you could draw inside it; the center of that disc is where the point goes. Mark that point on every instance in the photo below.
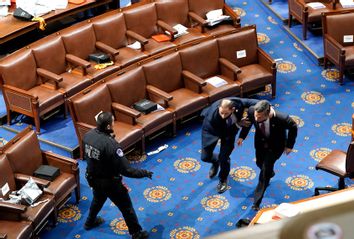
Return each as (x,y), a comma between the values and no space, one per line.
(222,120)
(275,134)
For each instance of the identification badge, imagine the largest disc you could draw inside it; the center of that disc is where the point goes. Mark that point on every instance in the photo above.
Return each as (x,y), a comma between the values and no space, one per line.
(240,54)
(5,189)
(119,152)
(347,38)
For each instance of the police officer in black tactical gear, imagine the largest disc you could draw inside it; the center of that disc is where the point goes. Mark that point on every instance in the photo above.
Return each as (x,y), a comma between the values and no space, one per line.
(106,164)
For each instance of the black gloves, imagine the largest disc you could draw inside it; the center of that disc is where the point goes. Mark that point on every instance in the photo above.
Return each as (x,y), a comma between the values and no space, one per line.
(147,174)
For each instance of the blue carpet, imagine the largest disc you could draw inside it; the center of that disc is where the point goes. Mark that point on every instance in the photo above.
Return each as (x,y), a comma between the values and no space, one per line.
(280,7)
(2,105)
(181,202)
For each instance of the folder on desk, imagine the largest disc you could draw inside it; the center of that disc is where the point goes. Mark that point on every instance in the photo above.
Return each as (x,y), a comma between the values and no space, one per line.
(161,38)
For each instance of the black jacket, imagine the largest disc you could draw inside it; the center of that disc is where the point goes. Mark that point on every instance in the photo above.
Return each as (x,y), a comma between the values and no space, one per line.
(214,127)
(282,130)
(105,157)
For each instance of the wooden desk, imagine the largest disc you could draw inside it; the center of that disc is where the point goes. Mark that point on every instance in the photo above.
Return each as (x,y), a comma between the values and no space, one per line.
(11,27)
(309,204)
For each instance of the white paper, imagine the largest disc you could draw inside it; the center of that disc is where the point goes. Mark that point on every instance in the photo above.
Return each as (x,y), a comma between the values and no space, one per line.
(216,16)
(286,210)
(4,11)
(216,81)
(158,150)
(5,189)
(347,3)
(5,2)
(316,5)
(136,45)
(159,108)
(347,38)
(240,54)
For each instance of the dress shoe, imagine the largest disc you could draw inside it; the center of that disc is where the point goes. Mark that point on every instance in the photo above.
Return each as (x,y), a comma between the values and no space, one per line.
(255,207)
(140,235)
(213,170)
(96,223)
(222,187)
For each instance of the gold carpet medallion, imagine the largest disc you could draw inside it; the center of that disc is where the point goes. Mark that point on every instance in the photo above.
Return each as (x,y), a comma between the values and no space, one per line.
(320,153)
(342,129)
(313,97)
(157,194)
(330,74)
(262,38)
(353,104)
(69,213)
(119,227)
(239,11)
(243,174)
(186,165)
(215,203)
(299,182)
(184,233)
(300,123)
(286,67)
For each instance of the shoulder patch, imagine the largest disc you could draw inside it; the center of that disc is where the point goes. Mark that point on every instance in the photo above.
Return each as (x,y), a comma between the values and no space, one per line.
(119,152)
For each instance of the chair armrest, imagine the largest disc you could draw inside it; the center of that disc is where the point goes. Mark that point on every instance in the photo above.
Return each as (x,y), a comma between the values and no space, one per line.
(19,91)
(265,60)
(197,18)
(12,208)
(336,51)
(229,69)
(160,94)
(50,76)
(24,178)
(107,49)
(132,113)
(77,61)
(190,78)
(167,28)
(65,164)
(143,41)
(235,18)
(84,125)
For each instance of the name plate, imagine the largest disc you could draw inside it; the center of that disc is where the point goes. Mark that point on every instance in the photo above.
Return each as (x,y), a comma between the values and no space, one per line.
(347,38)
(241,54)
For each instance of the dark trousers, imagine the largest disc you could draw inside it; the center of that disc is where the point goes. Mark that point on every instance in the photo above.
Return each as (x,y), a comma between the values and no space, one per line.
(265,160)
(226,147)
(114,190)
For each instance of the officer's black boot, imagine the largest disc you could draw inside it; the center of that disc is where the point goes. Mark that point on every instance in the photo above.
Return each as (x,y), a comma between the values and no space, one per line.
(140,235)
(214,169)
(89,224)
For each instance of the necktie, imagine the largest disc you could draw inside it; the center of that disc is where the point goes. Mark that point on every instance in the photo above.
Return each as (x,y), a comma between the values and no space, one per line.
(262,127)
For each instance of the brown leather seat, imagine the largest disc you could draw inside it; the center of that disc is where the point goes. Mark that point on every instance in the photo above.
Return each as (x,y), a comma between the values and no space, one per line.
(340,53)
(26,163)
(306,15)
(80,41)
(33,93)
(199,8)
(38,215)
(50,55)
(256,68)
(111,30)
(15,229)
(130,88)
(340,164)
(166,74)
(143,22)
(203,61)
(176,12)
(85,105)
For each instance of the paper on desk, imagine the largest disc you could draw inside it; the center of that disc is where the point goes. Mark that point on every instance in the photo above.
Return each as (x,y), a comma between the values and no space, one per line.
(216,81)
(216,16)
(316,5)
(347,3)
(5,2)
(181,30)
(136,45)
(4,11)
